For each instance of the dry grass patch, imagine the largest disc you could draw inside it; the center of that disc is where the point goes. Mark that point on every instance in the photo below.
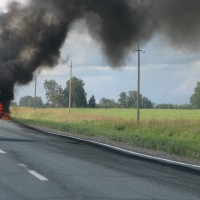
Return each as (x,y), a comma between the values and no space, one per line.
(177,134)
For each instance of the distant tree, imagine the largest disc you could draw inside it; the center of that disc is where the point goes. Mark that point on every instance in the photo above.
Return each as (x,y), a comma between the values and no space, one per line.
(54,93)
(47,105)
(195,98)
(79,96)
(172,106)
(92,102)
(164,106)
(122,100)
(185,106)
(65,98)
(129,100)
(146,103)
(107,103)
(26,101)
(132,99)
(38,102)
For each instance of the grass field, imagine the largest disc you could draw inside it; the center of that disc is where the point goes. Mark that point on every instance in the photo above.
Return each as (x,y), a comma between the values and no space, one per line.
(176,132)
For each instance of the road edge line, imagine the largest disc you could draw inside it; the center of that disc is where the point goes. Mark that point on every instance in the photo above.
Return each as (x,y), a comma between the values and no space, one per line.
(132,153)
(163,161)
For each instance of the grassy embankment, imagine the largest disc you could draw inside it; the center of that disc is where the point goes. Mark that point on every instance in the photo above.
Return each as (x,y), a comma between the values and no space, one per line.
(176,132)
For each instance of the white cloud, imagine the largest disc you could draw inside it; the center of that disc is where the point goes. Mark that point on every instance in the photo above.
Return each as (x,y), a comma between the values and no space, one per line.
(186,87)
(4,3)
(80,47)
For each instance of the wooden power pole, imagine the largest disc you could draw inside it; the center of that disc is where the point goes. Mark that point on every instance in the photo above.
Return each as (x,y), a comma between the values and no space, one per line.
(138,89)
(35,76)
(70,88)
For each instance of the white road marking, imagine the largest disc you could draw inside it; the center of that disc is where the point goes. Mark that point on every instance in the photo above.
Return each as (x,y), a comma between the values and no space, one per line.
(22,165)
(38,176)
(2,152)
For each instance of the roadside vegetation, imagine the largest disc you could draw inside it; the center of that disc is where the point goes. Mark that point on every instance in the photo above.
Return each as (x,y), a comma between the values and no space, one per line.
(175,132)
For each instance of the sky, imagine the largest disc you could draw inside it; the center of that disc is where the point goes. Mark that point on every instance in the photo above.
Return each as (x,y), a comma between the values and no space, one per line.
(168,74)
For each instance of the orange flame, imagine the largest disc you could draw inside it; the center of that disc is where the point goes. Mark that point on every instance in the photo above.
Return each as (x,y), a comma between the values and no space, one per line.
(6,116)
(3,115)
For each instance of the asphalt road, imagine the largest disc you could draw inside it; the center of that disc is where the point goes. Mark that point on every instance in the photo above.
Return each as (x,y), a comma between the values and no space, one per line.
(37,166)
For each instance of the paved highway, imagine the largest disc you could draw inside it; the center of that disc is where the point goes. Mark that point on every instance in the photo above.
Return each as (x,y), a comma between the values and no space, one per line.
(36,166)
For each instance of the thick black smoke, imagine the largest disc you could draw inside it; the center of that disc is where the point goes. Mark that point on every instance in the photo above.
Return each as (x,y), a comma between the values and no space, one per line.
(31,36)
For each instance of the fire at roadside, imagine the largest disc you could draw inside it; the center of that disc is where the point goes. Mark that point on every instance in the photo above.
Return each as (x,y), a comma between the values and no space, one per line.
(4,115)
(6,95)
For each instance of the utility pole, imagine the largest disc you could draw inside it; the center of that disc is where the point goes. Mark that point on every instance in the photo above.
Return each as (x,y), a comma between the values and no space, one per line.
(70,87)
(35,77)
(138,89)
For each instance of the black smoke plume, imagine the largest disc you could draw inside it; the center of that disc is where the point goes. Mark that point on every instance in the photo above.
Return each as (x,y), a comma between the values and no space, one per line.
(31,35)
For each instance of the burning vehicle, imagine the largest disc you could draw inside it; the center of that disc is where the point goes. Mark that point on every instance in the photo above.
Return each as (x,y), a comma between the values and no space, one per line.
(4,114)
(1,111)
(6,95)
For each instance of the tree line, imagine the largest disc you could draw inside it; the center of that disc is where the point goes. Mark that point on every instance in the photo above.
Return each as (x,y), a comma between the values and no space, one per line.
(59,97)
(126,100)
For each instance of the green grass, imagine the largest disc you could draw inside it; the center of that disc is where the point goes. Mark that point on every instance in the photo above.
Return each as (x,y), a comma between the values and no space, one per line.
(176,132)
